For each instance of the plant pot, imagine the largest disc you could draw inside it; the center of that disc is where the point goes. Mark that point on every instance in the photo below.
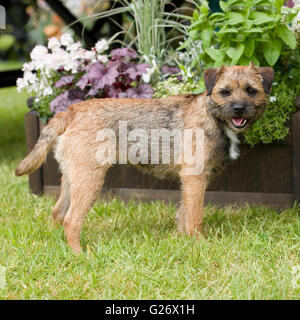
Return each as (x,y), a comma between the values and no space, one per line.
(264,174)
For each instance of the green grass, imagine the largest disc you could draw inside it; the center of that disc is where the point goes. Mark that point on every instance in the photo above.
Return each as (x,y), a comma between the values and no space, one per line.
(134,251)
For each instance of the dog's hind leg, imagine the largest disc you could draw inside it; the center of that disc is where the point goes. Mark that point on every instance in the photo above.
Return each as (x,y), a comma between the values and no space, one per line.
(63,203)
(85,187)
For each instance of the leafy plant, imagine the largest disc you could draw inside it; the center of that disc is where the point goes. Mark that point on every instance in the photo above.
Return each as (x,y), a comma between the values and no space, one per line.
(120,77)
(64,73)
(273,125)
(150,30)
(173,86)
(252,30)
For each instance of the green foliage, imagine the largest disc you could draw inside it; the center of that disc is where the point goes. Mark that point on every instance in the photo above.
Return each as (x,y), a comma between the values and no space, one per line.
(172,86)
(252,30)
(273,125)
(42,107)
(257,31)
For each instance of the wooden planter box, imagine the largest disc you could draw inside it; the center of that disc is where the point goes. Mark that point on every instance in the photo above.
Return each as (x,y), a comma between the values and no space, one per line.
(265,174)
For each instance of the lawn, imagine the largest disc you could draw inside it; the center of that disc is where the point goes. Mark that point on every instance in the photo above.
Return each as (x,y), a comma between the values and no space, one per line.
(133,251)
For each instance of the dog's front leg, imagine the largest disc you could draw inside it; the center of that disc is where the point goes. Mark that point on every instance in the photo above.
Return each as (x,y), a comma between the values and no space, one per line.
(190,214)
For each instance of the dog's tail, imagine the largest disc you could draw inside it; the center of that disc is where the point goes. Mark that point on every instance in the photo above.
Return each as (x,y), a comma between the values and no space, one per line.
(47,139)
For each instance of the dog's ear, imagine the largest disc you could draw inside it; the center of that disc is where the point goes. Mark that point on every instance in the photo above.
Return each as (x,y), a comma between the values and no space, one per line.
(267,74)
(210,78)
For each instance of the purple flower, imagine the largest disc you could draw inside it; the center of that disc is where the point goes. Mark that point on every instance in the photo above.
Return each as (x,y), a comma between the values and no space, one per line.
(143,91)
(170,70)
(61,102)
(64,81)
(118,54)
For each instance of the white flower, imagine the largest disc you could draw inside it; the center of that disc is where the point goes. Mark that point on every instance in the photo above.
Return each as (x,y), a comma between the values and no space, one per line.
(47,91)
(273,99)
(38,52)
(102,58)
(21,84)
(147,76)
(74,47)
(53,43)
(28,66)
(30,77)
(89,55)
(66,39)
(101,45)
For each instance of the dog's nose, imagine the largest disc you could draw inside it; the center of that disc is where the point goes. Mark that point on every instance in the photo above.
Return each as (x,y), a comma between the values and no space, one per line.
(238,108)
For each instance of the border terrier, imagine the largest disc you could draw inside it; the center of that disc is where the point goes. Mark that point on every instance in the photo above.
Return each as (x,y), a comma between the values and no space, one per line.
(235,97)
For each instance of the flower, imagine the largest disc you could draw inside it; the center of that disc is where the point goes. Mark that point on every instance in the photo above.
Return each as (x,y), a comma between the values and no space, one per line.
(66,39)
(147,76)
(38,52)
(272,99)
(21,84)
(101,45)
(47,91)
(66,73)
(53,43)
(102,58)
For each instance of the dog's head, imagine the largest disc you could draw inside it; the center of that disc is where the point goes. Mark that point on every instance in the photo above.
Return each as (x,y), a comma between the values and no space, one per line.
(238,94)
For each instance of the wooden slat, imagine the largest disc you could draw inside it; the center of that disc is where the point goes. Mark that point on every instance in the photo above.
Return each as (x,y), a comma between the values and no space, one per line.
(124,176)
(277,169)
(32,132)
(276,200)
(246,173)
(296,155)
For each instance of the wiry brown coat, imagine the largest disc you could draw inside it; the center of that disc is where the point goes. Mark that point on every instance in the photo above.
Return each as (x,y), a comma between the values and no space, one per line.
(73,134)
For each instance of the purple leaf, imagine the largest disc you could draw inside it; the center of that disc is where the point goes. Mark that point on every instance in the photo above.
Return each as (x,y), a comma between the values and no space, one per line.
(170,70)
(94,91)
(143,91)
(83,82)
(61,102)
(113,92)
(118,54)
(100,76)
(75,95)
(64,81)
(290,3)
(136,71)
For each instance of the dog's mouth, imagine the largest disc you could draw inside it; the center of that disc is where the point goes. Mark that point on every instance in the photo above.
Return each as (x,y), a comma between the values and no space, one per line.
(239,123)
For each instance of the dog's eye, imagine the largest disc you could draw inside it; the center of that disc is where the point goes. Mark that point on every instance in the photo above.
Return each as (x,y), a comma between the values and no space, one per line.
(225,92)
(251,91)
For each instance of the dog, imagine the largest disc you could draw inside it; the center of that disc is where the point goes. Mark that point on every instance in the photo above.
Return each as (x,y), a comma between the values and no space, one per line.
(235,97)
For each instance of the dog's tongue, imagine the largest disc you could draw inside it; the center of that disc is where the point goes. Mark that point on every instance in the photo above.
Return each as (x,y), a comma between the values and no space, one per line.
(237,121)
